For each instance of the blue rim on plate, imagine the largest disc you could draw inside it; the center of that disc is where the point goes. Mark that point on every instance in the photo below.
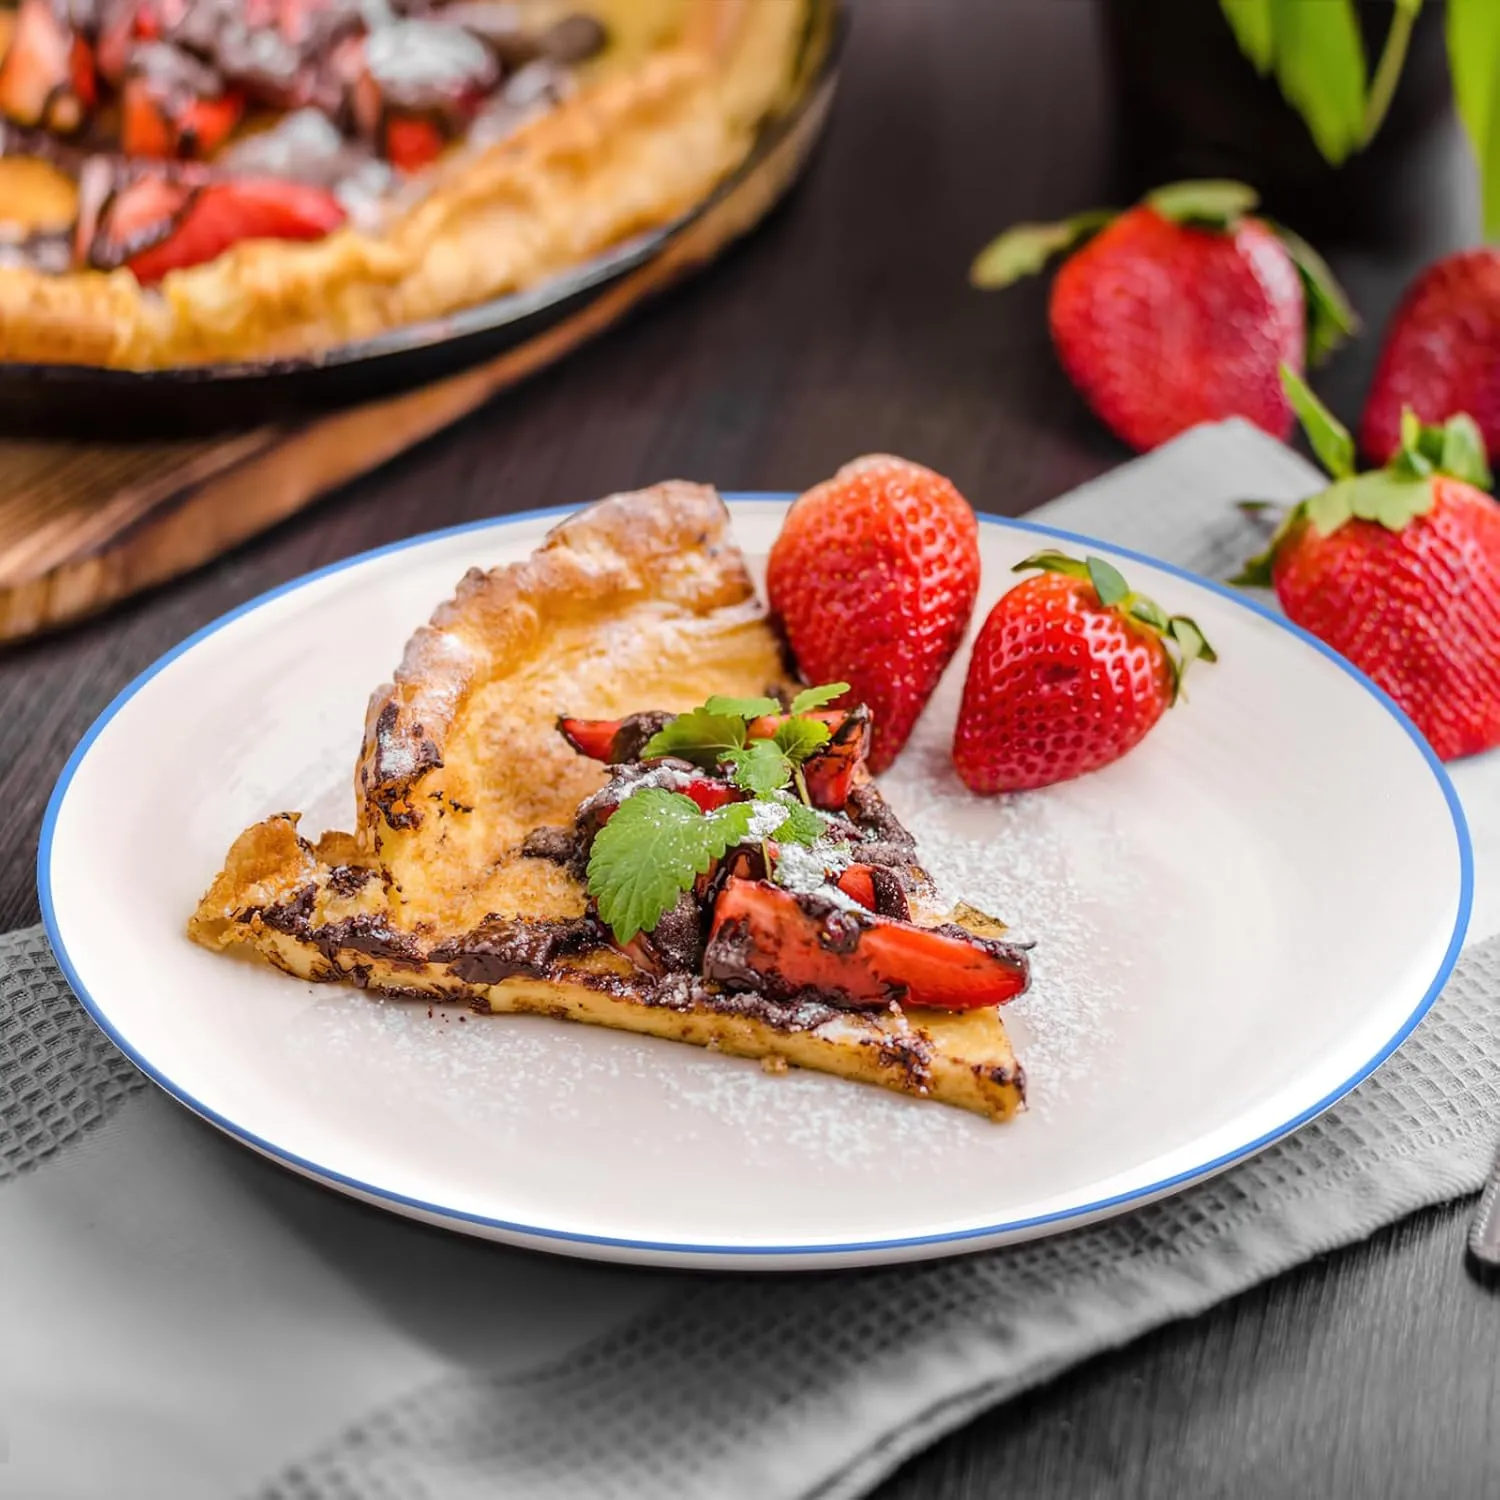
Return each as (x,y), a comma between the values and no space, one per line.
(437,1212)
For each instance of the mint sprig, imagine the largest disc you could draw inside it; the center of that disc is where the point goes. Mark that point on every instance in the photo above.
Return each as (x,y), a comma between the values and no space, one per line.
(760,768)
(701,737)
(815,697)
(718,733)
(654,846)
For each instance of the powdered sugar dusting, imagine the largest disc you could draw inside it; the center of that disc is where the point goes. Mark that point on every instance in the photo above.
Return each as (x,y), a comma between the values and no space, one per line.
(1020,859)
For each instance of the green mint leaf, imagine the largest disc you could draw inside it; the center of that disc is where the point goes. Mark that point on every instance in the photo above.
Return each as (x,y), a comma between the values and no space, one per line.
(1253,24)
(1208,204)
(1473,46)
(1462,454)
(1329,438)
(1330,315)
(815,697)
(741,708)
(802,824)
(1053,562)
(699,736)
(761,768)
(798,738)
(1320,66)
(1108,583)
(652,849)
(1025,248)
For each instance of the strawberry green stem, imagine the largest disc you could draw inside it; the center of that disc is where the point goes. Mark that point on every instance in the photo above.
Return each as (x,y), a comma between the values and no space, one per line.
(1388,69)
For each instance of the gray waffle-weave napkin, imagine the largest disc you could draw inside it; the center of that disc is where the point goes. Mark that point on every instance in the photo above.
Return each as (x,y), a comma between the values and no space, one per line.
(180,1318)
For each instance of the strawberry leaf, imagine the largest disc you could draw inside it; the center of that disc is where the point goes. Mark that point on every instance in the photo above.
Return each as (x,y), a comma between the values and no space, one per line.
(1462,453)
(1208,204)
(741,708)
(815,697)
(654,846)
(798,738)
(1191,641)
(1108,583)
(1389,498)
(1053,562)
(1329,438)
(700,736)
(1024,249)
(760,769)
(1148,612)
(1330,315)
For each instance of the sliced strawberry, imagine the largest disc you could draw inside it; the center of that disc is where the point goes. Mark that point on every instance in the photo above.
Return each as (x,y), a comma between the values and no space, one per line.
(858,884)
(81,73)
(37,76)
(786,945)
(246,208)
(590,737)
(174,105)
(412,142)
(830,771)
(197,130)
(710,794)
(114,227)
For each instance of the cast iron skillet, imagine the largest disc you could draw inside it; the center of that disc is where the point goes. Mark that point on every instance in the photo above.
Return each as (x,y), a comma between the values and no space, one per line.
(88,401)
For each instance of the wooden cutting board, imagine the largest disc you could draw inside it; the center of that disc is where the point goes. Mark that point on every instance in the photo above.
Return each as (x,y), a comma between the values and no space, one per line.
(84,525)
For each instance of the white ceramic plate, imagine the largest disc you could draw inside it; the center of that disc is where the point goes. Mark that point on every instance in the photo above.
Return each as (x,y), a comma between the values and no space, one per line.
(1235,925)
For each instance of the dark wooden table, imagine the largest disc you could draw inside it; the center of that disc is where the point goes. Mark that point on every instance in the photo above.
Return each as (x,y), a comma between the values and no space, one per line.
(846,325)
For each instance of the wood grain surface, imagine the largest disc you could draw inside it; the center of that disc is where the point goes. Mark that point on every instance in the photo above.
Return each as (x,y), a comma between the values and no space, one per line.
(85,525)
(844,325)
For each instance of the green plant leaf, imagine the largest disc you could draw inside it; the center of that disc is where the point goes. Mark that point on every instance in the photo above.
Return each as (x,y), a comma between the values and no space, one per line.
(742,708)
(1108,582)
(1463,452)
(699,736)
(815,697)
(654,846)
(1331,508)
(1053,562)
(1331,317)
(1320,66)
(1191,640)
(1024,249)
(1251,22)
(1388,69)
(760,768)
(803,825)
(1388,498)
(1473,28)
(1211,203)
(1148,612)
(799,737)
(1329,438)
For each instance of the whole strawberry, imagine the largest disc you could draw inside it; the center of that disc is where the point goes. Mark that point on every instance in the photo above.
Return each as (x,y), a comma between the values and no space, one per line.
(1069,672)
(1180,310)
(1441,354)
(873,578)
(1398,570)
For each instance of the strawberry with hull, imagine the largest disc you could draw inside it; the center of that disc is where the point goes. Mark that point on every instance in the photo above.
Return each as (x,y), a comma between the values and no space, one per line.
(1398,569)
(1180,310)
